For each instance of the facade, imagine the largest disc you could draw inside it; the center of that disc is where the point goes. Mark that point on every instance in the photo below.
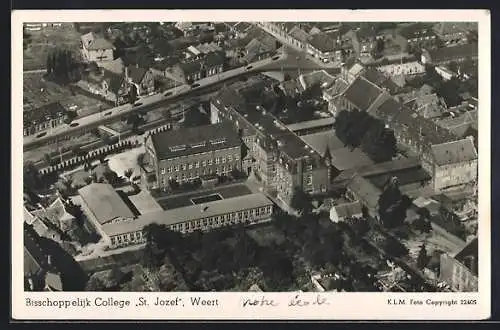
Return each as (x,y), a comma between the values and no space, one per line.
(461,271)
(256,50)
(417,35)
(360,95)
(96,49)
(141,78)
(329,48)
(282,160)
(362,190)
(248,210)
(44,118)
(451,32)
(363,40)
(407,69)
(193,28)
(187,154)
(445,73)
(452,164)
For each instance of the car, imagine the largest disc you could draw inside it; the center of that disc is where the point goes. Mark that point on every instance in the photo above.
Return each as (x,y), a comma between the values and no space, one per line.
(277,57)
(74,124)
(41,134)
(108,113)
(249,67)
(137,104)
(167,94)
(195,85)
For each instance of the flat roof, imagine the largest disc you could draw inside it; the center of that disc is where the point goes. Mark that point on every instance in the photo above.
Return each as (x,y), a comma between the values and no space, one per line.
(188,213)
(311,124)
(104,202)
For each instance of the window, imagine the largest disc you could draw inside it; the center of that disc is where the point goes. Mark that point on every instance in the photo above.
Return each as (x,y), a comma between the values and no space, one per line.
(217,160)
(162,170)
(223,160)
(229,158)
(197,164)
(204,163)
(184,167)
(177,168)
(309,179)
(190,166)
(309,167)
(113,240)
(169,170)
(209,162)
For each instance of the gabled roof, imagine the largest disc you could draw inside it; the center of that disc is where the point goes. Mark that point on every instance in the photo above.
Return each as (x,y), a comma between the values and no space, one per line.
(324,42)
(379,79)
(34,257)
(416,30)
(115,81)
(348,209)
(362,93)
(320,77)
(104,202)
(136,73)
(454,152)
(92,42)
(365,191)
(337,88)
(55,213)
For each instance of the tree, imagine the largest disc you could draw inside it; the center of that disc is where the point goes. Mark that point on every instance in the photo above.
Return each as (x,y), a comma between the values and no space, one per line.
(132,94)
(128,173)
(95,284)
(114,277)
(422,258)
(392,206)
(379,143)
(301,201)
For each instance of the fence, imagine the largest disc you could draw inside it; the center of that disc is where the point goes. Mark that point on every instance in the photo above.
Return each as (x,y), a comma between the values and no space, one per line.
(92,155)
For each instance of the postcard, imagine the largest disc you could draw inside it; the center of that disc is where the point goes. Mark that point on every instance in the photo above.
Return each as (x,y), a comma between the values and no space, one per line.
(251,165)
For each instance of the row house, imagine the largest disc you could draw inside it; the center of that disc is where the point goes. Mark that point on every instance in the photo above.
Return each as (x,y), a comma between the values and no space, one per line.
(44,118)
(461,270)
(363,40)
(417,35)
(143,79)
(112,86)
(329,47)
(206,66)
(451,33)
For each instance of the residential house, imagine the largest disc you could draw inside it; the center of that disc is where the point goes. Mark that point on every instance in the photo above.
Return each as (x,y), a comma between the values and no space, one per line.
(191,71)
(298,37)
(342,212)
(363,40)
(445,73)
(111,86)
(463,124)
(452,164)
(351,70)
(316,78)
(329,47)
(381,80)
(143,79)
(427,105)
(412,68)
(331,94)
(50,222)
(256,50)
(40,273)
(460,271)
(451,33)
(96,49)
(361,95)
(44,118)
(417,35)
(446,55)
(202,49)
(193,28)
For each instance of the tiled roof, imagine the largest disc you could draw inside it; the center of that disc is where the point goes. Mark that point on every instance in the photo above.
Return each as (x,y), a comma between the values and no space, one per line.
(416,30)
(379,79)
(104,202)
(92,42)
(317,77)
(454,152)
(193,140)
(348,209)
(468,256)
(362,93)
(208,61)
(188,213)
(337,88)
(114,80)
(43,114)
(34,257)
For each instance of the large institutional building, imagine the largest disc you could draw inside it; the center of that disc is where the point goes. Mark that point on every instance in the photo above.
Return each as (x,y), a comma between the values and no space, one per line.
(280,158)
(186,154)
(119,226)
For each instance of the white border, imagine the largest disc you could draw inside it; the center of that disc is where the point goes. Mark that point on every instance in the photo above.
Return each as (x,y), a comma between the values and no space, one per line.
(343,306)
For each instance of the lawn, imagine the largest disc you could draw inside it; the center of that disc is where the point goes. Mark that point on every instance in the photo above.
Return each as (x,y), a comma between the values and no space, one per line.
(121,162)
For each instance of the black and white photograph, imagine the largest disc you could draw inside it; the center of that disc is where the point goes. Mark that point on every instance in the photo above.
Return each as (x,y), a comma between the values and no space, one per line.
(251,156)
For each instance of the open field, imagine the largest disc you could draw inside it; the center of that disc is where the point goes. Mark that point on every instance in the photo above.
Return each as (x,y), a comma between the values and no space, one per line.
(47,39)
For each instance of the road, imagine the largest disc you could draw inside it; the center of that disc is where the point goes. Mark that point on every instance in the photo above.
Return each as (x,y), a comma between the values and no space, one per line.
(148,103)
(35,71)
